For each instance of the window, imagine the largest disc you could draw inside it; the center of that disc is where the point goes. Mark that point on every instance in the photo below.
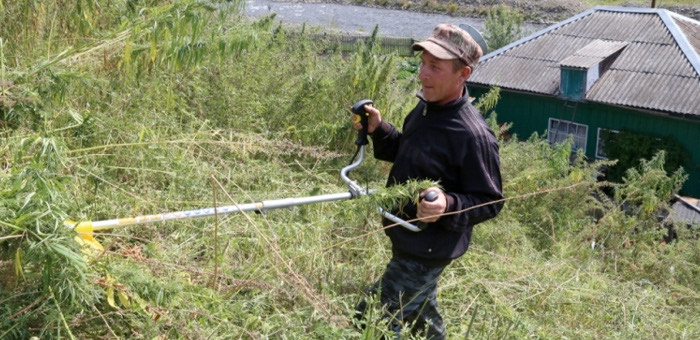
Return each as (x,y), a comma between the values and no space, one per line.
(573,83)
(600,146)
(559,131)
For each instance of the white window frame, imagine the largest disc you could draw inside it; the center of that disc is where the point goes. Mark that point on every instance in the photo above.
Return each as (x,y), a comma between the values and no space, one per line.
(556,136)
(599,153)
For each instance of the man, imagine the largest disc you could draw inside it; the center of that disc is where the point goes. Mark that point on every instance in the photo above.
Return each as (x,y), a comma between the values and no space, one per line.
(445,139)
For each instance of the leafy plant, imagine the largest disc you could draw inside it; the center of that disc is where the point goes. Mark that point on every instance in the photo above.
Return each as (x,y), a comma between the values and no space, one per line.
(50,275)
(635,217)
(629,147)
(503,26)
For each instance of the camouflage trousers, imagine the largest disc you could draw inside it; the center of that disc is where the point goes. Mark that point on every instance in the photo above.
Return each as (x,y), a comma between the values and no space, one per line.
(408,294)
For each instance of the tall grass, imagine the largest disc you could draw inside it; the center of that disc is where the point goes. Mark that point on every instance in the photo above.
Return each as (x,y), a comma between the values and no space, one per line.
(123,108)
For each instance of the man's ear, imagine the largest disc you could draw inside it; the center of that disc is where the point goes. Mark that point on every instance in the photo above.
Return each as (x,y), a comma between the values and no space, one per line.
(466,72)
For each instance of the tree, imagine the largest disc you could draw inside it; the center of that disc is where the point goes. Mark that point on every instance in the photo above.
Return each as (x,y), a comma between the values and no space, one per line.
(503,25)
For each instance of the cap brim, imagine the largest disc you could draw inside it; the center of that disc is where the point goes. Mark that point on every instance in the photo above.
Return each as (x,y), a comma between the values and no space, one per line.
(436,50)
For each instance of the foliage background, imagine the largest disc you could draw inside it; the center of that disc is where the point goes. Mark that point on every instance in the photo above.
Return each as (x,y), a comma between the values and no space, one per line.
(627,147)
(126,107)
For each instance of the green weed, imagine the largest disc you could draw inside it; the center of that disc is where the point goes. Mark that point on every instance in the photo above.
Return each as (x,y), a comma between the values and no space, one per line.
(126,108)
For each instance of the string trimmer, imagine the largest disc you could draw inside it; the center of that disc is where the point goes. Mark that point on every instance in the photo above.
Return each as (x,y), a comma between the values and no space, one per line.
(86,229)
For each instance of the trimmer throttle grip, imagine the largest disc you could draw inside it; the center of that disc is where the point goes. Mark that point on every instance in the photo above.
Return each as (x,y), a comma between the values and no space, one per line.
(362,117)
(430,197)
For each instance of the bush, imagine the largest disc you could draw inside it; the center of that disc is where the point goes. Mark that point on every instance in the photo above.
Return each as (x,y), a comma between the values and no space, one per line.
(629,147)
(503,26)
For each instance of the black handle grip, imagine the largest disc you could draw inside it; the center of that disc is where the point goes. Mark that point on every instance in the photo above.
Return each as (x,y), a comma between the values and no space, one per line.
(362,117)
(430,196)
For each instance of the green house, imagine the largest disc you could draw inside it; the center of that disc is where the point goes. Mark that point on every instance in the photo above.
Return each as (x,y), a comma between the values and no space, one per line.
(609,68)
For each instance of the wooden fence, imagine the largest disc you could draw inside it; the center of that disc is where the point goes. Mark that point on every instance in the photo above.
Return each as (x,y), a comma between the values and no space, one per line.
(350,43)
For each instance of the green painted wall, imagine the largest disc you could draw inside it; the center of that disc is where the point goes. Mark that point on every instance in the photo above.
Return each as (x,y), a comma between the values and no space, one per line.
(531,113)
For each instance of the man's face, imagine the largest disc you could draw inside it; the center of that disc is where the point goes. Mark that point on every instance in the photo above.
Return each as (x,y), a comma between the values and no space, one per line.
(441,82)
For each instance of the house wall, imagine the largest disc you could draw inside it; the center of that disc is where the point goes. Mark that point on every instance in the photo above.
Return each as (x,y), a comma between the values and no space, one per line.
(530,113)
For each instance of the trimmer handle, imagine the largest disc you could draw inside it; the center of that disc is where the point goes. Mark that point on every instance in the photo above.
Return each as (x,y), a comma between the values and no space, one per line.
(362,117)
(430,196)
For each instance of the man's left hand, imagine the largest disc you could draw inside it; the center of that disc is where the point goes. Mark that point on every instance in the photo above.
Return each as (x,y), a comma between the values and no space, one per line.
(431,211)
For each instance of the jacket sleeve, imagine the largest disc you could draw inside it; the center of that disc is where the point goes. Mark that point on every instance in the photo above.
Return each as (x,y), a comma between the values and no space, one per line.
(480,184)
(385,139)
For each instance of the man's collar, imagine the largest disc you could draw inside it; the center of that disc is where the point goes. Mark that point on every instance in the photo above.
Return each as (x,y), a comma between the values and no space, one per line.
(465,92)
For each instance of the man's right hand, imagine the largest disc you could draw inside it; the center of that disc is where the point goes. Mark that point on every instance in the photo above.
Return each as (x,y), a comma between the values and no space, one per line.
(374,119)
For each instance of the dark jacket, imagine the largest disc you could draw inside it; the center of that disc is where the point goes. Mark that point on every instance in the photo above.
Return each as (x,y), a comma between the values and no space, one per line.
(453,145)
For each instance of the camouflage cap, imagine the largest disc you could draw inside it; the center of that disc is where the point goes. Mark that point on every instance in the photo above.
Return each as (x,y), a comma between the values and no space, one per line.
(451,42)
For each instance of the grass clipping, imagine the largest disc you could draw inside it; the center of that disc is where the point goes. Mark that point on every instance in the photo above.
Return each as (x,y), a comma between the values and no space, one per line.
(400,195)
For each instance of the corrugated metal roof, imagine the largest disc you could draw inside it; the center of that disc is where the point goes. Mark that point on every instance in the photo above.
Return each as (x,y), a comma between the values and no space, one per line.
(557,47)
(580,61)
(686,210)
(658,70)
(652,58)
(651,91)
(601,49)
(692,32)
(593,53)
(542,75)
(619,26)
